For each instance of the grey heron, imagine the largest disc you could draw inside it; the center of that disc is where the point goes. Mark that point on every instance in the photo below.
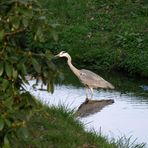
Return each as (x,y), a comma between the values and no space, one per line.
(88,78)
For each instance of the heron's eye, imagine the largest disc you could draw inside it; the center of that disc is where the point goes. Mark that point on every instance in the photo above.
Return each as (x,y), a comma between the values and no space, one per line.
(62,52)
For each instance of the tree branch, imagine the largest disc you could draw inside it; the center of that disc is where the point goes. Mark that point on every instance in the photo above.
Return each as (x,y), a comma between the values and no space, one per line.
(14,32)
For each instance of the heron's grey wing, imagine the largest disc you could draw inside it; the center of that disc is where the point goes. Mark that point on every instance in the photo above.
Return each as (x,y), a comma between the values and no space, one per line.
(91,79)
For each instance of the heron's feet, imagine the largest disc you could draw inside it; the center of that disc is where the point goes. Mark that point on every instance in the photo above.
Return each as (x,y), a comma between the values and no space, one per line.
(86,100)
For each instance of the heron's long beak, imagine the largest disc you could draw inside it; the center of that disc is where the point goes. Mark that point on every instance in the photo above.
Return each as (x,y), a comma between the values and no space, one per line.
(56,56)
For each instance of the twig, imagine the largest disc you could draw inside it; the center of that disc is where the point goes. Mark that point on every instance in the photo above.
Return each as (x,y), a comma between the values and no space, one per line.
(14,32)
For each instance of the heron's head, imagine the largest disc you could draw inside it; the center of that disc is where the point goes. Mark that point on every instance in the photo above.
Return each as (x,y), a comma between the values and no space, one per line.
(62,54)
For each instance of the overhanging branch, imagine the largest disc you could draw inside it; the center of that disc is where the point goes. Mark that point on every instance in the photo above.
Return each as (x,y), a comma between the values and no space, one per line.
(14,32)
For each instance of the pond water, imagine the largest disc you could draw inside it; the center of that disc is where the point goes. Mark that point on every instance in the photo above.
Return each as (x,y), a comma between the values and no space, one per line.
(128,116)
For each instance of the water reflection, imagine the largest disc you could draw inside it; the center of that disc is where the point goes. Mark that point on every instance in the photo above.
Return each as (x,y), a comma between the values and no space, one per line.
(127,116)
(90,107)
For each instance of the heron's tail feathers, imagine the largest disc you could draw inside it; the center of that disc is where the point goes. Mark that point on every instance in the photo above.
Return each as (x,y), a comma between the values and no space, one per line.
(111,86)
(106,85)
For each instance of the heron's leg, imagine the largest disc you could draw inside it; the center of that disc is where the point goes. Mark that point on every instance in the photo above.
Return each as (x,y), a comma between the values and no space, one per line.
(92,92)
(86,90)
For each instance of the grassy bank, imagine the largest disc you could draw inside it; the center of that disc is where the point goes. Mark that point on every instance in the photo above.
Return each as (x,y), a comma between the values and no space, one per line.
(55,128)
(102,35)
(58,128)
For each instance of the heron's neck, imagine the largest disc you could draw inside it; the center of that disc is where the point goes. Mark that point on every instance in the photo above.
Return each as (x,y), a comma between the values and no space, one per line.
(74,69)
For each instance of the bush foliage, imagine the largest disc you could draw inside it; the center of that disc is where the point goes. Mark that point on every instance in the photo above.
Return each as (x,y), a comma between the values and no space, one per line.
(20,20)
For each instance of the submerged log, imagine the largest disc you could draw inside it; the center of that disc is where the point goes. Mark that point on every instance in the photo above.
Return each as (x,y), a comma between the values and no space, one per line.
(92,106)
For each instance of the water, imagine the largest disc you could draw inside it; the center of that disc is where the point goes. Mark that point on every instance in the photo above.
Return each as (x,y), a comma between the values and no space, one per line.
(128,116)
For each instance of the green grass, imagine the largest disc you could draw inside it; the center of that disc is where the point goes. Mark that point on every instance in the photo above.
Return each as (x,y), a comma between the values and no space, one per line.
(58,128)
(105,35)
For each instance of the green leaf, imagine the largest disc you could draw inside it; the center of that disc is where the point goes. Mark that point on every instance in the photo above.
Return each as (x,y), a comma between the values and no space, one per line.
(6,143)
(24,71)
(8,69)
(55,35)
(25,22)
(16,22)
(42,17)
(28,13)
(50,87)
(1,34)
(1,124)
(22,2)
(24,132)
(48,55)
(9,103)
(1,68)
(39,34)
(14,73)
(5,84)
(8,122)
(36,65)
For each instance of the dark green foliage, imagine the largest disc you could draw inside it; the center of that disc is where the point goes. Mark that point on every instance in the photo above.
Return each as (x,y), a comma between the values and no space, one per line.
(103,34)
(133,52)
(17,60)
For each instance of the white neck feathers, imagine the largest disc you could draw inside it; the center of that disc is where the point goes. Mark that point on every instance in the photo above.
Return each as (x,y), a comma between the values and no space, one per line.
(74,69)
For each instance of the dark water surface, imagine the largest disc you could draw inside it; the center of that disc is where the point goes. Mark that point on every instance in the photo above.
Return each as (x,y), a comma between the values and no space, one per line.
(128,116)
